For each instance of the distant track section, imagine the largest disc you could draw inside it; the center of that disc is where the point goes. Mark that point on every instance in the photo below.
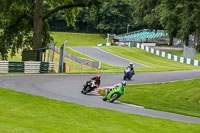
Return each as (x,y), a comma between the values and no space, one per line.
(104,56)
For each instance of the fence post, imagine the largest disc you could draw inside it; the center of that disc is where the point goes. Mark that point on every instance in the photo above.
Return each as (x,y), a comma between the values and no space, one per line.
(99,66)
(81,66)
(61,62)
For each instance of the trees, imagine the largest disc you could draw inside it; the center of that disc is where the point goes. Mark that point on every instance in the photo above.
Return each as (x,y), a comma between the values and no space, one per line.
(167,14)
(145,14)
(175,16)
(181,16)
(88,19)
(114,17)
(189,16)
(26,21)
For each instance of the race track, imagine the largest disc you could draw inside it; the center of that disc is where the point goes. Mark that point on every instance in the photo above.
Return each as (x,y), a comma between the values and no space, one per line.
(104,56)
(67,88)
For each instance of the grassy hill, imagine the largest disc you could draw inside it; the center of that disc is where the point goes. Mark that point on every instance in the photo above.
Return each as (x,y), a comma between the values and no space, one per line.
(156,62)
(78,39)
(181,97)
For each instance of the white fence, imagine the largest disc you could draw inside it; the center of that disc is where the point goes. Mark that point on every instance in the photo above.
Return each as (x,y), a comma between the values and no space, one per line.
(32,67)
(3,66)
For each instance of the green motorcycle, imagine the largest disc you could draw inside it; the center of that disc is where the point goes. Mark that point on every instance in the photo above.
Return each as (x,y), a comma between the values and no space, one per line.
(114,94)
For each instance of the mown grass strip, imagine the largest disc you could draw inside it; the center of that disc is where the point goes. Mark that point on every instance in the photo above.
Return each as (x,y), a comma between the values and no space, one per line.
(78,39)
(181,97)
(27,113)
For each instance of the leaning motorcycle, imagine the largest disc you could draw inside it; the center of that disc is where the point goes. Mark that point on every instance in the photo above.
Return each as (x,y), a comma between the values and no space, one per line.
(88,87)
(128,74)
(114,94)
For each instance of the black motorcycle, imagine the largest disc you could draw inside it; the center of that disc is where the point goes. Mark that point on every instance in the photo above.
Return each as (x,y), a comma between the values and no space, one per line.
(88,87)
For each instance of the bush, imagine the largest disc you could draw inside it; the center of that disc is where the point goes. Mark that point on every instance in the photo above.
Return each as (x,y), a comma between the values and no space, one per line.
(198,47)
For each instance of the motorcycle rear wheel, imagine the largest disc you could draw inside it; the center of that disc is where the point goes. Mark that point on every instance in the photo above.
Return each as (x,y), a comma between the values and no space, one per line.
(114,97)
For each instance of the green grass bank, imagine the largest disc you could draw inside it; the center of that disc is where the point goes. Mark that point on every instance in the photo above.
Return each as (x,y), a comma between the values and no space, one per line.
(156,62)
(78,39)
(182,97)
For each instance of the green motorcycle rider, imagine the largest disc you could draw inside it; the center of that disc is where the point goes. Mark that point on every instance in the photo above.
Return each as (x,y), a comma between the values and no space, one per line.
(116,92)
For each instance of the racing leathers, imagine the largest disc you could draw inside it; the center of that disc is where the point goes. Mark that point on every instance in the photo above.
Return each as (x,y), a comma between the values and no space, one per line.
(95,81)
(115,87)
(132,69)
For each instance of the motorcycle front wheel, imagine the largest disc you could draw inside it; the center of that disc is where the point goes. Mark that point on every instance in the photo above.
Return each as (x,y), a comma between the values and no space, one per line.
(124,77)
(86,90)
(104,98)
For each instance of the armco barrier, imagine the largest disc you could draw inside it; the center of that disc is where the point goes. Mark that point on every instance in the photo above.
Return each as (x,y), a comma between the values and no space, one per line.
(26,67)
(32,67)
(51,67)
(15,67)
(167,55)
(44,67)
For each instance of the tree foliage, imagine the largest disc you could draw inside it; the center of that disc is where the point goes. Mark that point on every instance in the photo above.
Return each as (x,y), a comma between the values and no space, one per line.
(175,16)
(112,17)
(145,14)
(26,24)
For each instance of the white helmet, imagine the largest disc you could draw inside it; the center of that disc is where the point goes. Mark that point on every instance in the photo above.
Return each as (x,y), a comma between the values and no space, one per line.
(131,63)
(123,83)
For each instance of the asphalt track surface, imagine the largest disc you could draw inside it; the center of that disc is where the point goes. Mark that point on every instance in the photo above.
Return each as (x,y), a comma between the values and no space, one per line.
(68,88)
(104,56)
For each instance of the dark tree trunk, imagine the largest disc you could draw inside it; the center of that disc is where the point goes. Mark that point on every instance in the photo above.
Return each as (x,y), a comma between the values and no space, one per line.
(37,36)
(196,38)
(171,39)
(186,40)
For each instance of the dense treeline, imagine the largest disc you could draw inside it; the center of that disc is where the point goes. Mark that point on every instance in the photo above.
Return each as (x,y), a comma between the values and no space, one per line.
(110,17)
(27,23)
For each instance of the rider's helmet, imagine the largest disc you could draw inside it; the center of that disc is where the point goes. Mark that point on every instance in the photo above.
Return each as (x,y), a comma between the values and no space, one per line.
(131,64)
(98,76)
(123,83)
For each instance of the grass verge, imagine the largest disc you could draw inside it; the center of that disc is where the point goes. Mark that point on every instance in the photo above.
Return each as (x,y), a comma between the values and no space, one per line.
(180,53)
(181,97)
(156,62)
(27,113)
